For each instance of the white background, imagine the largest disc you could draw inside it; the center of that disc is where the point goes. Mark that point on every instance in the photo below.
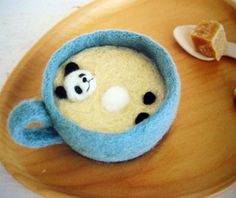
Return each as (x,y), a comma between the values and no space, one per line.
(22,23)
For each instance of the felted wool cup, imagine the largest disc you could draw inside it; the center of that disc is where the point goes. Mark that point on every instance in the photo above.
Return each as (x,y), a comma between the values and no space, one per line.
(56,128)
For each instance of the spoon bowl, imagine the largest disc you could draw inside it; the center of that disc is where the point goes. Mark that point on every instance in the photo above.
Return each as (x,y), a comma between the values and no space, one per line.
(182,35)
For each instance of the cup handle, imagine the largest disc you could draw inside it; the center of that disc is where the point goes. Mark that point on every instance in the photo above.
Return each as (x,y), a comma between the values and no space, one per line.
(25,114)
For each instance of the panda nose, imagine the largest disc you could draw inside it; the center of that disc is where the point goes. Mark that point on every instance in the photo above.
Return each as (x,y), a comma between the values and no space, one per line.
(78,90)
(84,79)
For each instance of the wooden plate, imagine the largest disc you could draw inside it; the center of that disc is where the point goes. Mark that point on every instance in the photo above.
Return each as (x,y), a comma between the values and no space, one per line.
(195,159)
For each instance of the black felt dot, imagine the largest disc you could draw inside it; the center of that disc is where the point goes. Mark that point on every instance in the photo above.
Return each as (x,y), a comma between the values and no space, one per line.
(60,92)
(141,116)
(84,79)
(149,98)
(78,90)
(70,67)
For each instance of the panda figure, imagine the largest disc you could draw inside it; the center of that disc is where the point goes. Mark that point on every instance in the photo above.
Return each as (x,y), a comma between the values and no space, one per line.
(78,84)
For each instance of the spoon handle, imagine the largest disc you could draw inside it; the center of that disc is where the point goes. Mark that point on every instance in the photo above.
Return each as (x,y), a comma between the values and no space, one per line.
(231,50)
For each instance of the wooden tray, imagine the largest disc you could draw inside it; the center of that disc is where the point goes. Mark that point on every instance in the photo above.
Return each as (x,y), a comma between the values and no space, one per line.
(195,159)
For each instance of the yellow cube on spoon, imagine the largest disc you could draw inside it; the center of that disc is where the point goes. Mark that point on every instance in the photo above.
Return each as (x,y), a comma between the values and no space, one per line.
(209,39)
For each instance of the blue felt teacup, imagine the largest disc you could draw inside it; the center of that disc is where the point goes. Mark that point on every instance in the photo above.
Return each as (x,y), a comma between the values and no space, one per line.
(57,129)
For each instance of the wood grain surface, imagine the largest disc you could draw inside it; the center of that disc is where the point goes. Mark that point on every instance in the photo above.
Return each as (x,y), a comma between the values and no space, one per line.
(195,159)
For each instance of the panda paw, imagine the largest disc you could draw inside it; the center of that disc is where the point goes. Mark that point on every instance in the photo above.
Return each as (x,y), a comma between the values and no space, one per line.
(60,92)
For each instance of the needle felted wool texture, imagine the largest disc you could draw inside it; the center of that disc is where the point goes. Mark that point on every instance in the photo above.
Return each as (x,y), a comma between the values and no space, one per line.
(25,114)
(115,99)
(112,66)
(128,144)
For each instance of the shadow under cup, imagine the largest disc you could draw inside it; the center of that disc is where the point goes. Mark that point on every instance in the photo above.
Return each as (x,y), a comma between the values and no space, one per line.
(96,145)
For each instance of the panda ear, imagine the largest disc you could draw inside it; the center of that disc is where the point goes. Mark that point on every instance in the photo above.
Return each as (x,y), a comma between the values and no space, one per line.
(70,67)
(61,92)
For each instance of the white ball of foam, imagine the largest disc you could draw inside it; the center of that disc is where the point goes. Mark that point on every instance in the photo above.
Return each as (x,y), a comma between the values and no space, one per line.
(115,99)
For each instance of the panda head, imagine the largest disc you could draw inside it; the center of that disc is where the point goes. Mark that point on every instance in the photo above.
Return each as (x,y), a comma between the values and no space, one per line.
(77,85)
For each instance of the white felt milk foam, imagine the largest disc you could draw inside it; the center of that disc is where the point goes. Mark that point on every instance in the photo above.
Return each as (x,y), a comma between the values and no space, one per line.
(115,99)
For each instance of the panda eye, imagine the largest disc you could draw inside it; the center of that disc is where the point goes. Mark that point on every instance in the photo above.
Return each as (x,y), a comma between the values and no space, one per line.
(78,90)
(81,75)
